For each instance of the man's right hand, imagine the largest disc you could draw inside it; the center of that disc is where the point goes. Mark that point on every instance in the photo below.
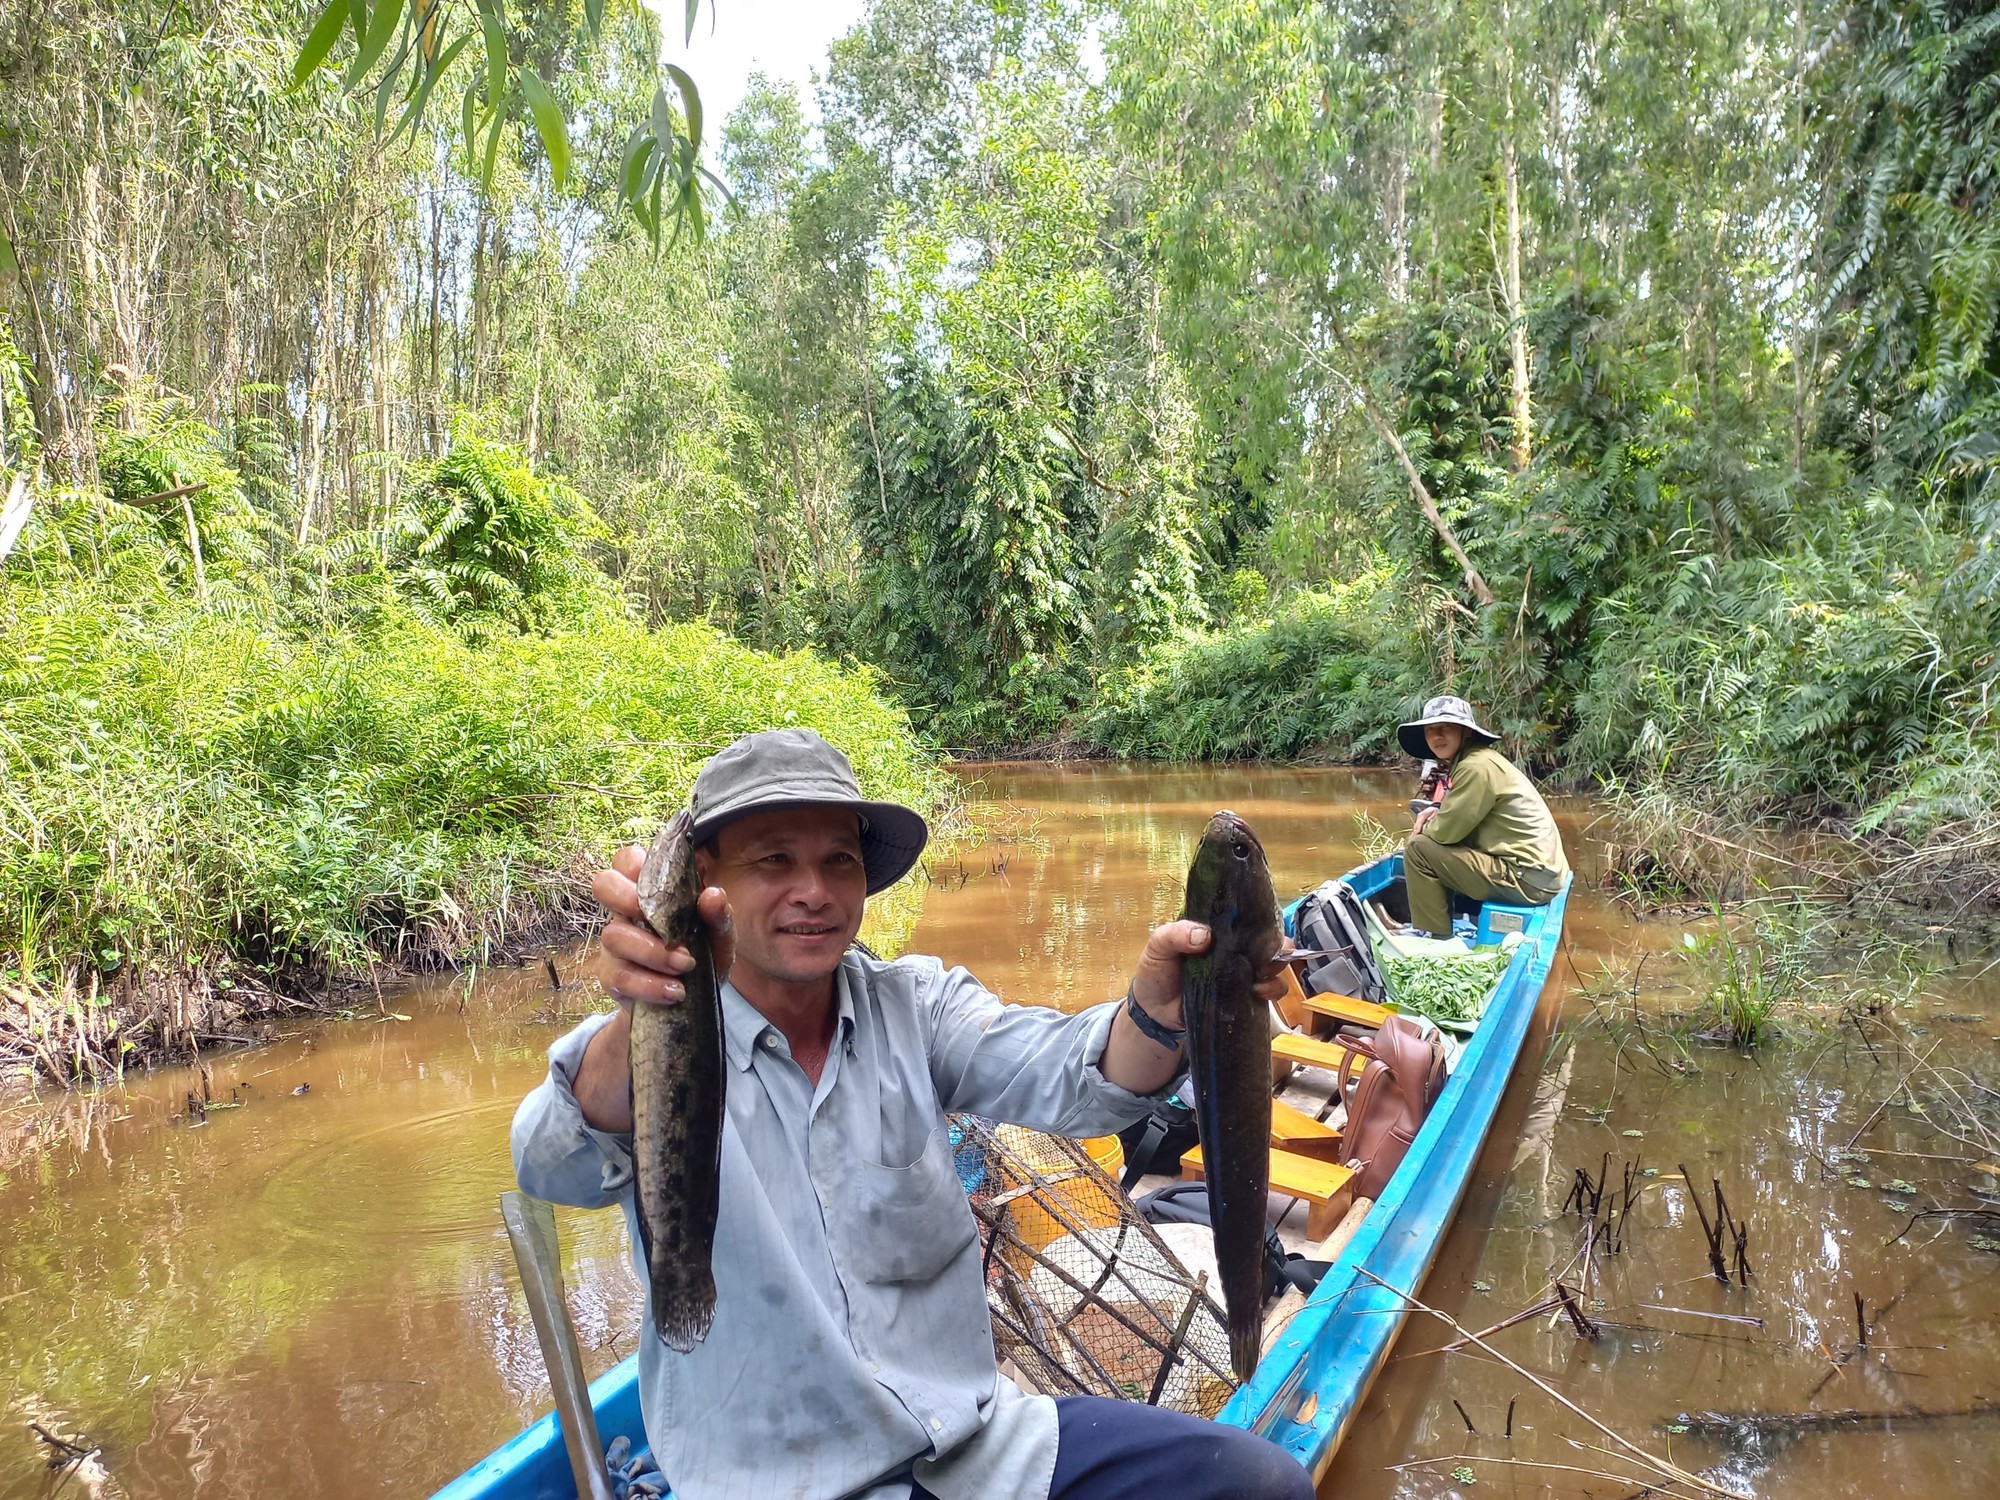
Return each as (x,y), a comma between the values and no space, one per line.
(637,968)
(636,963)
(1423,821)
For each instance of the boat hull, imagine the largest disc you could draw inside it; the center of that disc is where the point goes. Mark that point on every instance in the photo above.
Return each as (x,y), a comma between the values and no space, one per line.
(1312,1381)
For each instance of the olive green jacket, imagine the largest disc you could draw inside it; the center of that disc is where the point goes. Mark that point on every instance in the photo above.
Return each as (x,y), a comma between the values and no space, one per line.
(1493,807)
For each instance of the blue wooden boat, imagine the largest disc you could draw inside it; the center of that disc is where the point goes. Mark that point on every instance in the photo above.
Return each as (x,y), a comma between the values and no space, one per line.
(1309,1386)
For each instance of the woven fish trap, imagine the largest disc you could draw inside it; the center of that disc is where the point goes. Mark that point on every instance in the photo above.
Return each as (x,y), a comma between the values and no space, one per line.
(1086,1297)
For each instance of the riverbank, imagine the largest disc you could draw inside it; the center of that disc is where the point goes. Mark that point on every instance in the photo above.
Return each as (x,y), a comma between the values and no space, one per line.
(218,813)
(278,797)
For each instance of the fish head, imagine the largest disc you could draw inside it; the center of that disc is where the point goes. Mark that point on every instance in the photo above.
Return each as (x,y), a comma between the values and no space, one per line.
(1230,879)
(667,883)
(1236,837)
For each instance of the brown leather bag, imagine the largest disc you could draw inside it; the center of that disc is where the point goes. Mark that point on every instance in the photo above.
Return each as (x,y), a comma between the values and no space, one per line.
(1402,1080)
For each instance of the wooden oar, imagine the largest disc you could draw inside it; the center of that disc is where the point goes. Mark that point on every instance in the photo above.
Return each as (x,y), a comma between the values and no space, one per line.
(531,1225)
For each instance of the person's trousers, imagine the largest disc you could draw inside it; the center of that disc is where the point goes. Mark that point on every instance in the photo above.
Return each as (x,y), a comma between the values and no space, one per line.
(1125,1450)
(1430,869)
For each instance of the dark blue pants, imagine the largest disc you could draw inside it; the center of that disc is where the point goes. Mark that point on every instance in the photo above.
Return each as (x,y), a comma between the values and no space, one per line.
(1124,1450)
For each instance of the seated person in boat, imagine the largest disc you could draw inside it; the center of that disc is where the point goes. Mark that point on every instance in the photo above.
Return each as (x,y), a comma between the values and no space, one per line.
(851,1352)
(1489,836)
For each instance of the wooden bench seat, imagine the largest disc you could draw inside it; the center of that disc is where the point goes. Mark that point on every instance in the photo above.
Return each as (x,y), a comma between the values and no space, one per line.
(1315,1053)
(1326,1186)
(1295,1130)
(1363,1013)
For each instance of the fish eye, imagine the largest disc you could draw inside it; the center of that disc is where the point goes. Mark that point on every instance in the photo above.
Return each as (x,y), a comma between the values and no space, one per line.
(1242,851)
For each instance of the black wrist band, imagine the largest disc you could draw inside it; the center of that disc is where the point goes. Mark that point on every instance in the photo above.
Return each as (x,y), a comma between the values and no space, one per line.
(1152,1030)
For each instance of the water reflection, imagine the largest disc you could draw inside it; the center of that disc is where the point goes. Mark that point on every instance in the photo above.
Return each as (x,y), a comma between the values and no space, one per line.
(1105,857)
(310,1294)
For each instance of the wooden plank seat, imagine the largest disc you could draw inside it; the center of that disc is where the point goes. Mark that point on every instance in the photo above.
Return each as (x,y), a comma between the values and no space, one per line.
(1295,1130)
(1363,1013)
(1292,1004)
(1326,1186)
(1315,1053)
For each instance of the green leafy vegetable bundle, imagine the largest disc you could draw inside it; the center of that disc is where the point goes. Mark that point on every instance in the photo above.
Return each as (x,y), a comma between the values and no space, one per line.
(1444,987)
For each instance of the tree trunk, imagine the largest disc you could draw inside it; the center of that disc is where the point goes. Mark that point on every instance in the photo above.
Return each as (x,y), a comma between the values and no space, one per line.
(194,548)
(1473,580)
(874,442)
(1520,450)
(435,384)
(1394,213)
(319,427)
(385,416)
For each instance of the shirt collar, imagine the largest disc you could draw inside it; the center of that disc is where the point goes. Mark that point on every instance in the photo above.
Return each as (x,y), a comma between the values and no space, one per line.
(744,1026)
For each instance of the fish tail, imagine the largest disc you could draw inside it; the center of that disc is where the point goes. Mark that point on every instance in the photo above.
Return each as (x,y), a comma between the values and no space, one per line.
(1243,1348)
(684,1313)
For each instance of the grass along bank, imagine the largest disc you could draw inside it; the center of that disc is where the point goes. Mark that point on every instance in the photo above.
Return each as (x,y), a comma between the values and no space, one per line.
(212,812)
(1329,674)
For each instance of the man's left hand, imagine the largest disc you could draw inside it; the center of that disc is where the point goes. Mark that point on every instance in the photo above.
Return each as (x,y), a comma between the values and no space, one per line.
(1137,1062)
(1156,983)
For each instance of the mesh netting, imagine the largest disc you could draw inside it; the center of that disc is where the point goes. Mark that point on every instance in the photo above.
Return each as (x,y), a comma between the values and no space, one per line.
(1086,1297)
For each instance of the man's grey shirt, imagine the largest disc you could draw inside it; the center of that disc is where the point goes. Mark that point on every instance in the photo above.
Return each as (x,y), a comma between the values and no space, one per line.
(852,1348)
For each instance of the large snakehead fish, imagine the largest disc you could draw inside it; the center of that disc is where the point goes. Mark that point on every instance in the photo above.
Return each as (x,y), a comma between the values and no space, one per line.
(1229,1058)
(677,1102)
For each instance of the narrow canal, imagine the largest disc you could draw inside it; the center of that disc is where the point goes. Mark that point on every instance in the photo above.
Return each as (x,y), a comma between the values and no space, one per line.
(308,1293)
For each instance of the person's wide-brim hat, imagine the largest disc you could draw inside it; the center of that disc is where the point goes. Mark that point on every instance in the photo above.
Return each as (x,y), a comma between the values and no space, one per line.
(796,768)
(1443,709)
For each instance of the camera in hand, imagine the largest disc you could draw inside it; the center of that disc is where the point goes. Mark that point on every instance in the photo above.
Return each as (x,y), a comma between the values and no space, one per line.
(1430,776)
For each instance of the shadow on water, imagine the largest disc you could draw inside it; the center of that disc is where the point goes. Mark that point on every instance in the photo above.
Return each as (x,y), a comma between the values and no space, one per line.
(310,1293)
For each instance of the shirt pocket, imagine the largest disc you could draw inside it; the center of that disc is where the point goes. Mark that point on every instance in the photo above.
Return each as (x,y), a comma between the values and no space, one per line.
(910,1222)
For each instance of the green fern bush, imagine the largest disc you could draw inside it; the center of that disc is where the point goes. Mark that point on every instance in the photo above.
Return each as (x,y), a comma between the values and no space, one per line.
(149,444)
(482,542)
(1812,675)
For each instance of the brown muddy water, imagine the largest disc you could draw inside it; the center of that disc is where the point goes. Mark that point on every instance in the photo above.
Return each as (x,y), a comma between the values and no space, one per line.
(310,1293)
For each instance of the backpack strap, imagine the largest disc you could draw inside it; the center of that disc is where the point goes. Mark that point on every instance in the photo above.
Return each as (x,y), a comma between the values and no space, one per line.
(1152,1131)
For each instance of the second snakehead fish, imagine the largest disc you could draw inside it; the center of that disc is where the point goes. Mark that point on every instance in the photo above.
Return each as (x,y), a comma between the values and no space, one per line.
(1229,1059)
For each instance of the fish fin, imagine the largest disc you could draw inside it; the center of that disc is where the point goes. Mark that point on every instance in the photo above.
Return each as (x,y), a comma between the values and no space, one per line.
(639,1217)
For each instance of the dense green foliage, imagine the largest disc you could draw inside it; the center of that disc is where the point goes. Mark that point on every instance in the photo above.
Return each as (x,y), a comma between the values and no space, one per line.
(275,793)
(1741,546)
(1183,379)
(481,541)
(1330,673)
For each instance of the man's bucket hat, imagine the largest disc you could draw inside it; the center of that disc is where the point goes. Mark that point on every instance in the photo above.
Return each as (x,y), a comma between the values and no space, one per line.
(1443,709)
(796,768)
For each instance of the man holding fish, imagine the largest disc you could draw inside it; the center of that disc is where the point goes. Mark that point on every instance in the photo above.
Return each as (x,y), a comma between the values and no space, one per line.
(843,1345)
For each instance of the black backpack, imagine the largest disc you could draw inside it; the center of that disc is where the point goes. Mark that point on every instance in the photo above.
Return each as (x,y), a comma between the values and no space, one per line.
(1187,1203)
(1332,919)
(1158,1142)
